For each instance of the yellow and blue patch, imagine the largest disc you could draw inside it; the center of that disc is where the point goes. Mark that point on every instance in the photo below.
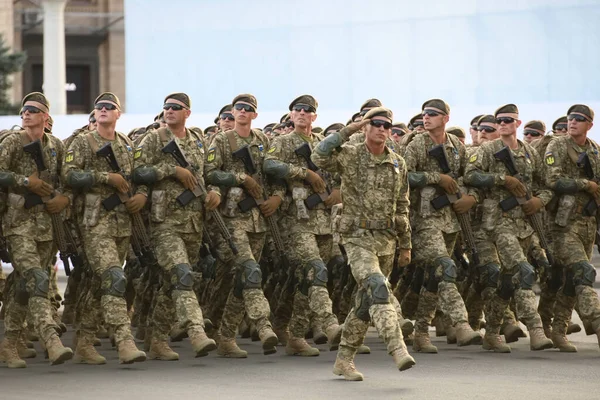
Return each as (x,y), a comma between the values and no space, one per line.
(211,155)
(550,158)
(138,153)
(69,156)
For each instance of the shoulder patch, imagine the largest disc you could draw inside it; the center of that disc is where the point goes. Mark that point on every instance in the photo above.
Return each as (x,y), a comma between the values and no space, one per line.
(271,150)
(69,156)
(473,158)
(211,155)
(53,153)
(138,153)
(199,143)
(260,148)
(549,158)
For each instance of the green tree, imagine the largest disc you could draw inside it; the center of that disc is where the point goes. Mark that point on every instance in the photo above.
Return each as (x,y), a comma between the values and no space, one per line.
(9,64)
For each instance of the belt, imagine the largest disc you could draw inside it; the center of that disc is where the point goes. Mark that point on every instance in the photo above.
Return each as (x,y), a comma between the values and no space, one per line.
(375,224)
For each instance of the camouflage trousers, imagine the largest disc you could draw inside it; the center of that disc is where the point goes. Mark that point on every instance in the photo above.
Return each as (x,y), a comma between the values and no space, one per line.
(227,309)
(365,263)
(173,248)
(103,252)
(310,300)
(28,258)
(430,247)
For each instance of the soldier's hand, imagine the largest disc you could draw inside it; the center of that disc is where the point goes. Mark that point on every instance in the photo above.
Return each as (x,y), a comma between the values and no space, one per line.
(269,206)
(356,126)
(448,184)
(212,201)
(252,187)
(335,197)
(56,204)
(136,203)
(515,186)
(532,206)
(186,177)
(38,186)
(593,189)
(118,182)
(464,204)
(404,257)
(315,181)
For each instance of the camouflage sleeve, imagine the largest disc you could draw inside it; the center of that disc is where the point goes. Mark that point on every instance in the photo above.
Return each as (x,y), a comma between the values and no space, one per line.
(330,160)
(477,170)
(402,209)
(75,158)
(538,187)
(554,159)
(416,178)
(60,157)
(275,164)
(213,166)
(8,149)
(146,156)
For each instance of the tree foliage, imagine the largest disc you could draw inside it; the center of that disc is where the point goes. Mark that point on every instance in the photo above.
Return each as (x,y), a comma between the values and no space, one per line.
(10,63)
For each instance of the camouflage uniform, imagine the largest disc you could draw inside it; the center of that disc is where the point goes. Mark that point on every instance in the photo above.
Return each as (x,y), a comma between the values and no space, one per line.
(309,232)
(510,232)
(434,234)
(573,231)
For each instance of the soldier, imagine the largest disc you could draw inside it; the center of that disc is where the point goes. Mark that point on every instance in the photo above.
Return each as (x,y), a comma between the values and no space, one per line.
(309,229)
(332,128)
(374,217)
(573,168)
(225,121)
(435,231)
(176,229)
(458,132)
(105,232)
(473,131)
(533,130)
(507,227)
(237,286)
(560,126)
(28,230)
(210,132)
(416,124)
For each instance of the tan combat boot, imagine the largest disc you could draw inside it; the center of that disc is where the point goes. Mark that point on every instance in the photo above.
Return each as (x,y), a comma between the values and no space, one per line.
(85,353)
(573,328)
(402,359)
(283,334)
(512,333)
(160,350)
(299,347)
(344,365)
(229,348)
(200,342)
(494,342)
(539,341)
(177,333)
(422,343)
(334,335)
(269,340)
(466,336)
(23,350)
(57,353)
(129,353)
(562,343)
(409,340)
(319,337)
(363,349)
(406,327)
(9,353)
(438,322)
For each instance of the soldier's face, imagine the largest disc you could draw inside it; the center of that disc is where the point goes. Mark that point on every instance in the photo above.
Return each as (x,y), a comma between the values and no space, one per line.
(302,119)
(578,128)
(105,116)
(432,122)
(244,113)
(488,132)
(176,117)
(33,118)
(378,134)
(507,124)
(474,135)
(226,121)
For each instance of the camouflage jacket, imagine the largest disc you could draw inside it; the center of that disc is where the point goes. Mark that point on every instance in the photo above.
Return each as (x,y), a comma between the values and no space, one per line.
(424,175)
(81,156)
(220,159)
(375,197)
(359,137)
(34,222)
(165,212)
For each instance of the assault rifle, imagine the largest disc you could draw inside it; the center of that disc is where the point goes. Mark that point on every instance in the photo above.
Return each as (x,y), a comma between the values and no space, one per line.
(591,208)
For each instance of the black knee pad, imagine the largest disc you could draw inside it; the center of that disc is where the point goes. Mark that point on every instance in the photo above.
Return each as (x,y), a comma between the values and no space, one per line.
(249,276)
(181,277)
(41,283)
(507,287)
(418,279)
(319,270)
(526,275)
(449,272)
(21,293)
(569,286)
(114,282)
(362,305)
(584,274)
(489,275)
(376,284)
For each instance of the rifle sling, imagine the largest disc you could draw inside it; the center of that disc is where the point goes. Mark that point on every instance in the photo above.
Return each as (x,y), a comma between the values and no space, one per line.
(233,146)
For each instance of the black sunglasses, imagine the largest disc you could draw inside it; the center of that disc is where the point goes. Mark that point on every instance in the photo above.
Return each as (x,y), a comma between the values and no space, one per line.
(561,127)
(172,106)
(398,132)
(304,107)
(245,107)
(506,120)
(486,129)
(31,109)
(290,124)
(227,116)
(417,124)
(431,113)
(378,123)
(578,118)
(108,106)
(532,133)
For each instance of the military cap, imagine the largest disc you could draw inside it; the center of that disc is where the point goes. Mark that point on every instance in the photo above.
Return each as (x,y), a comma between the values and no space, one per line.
(246,98)
(400,125)
(371,103)
(535,125)
(108,97)
(305,99)
(269,127)
(436,105)
(456,131)
(285,117)
(317,129)
(179,98)
(210,129)
(380,112)
(334,127)
(507,109)
(475,120)
(417,117)
(486,118)
(582,109)
(561,120)
(37,100)
(196,130)
(49,124)
(225,109)
(279,126)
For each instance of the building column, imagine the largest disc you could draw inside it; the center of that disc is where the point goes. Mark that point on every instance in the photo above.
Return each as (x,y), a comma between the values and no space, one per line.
(55,68)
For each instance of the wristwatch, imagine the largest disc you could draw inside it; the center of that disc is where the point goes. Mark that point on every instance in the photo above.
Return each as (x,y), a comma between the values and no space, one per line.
(242,177)
(26,182)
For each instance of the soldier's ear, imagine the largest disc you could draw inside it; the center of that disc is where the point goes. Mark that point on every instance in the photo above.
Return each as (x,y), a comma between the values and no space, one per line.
(446,119)
(255,115)
(188,112)
(590,124)
(118,114)
(314,117)
(519,123)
